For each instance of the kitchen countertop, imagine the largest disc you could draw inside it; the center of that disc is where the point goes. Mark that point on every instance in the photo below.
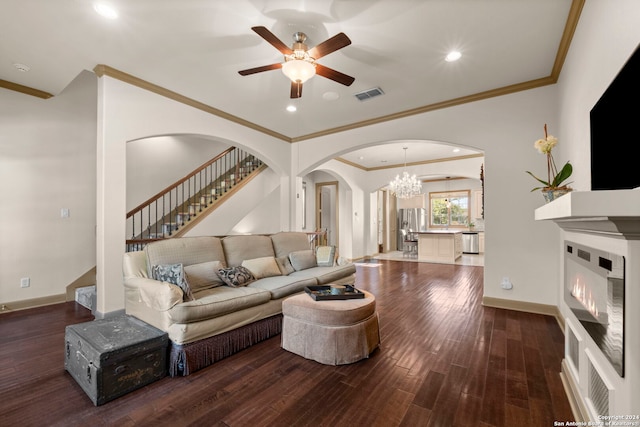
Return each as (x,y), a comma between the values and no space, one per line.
(438,232)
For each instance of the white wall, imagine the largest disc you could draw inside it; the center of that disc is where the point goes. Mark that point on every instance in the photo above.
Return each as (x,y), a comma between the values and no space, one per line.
(155,163)
(47,162)
(504,129)
(255,210)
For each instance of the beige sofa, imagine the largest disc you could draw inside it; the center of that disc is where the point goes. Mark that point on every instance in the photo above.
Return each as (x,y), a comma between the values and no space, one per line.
(207,318)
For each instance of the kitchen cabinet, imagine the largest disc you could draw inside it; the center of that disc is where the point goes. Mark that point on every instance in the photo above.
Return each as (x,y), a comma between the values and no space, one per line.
(440,246)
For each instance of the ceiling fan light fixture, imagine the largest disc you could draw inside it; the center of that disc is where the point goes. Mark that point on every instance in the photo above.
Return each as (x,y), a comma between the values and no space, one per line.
(298,70)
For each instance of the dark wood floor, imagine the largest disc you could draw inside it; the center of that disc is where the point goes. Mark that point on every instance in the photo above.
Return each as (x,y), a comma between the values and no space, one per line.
(445,360)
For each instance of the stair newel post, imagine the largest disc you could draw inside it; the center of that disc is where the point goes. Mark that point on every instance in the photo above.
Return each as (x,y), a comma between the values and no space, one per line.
(215,177)
(223,171)
(162,227)
(234,165)
(189,198)
(133,227)
(182,211)
(200,190)
(156,218)
(206,185)
(171,213)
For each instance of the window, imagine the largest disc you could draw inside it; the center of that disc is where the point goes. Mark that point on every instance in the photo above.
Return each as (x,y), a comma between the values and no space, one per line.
(449,209)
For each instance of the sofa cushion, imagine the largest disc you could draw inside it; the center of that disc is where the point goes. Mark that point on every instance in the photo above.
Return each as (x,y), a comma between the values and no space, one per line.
(174,274)
(302,260)
(239,248)
(236,276)
(286,242)
(185,251)
(203,275)
(325,275)
(262,267)
(282,286)
(216,302)
(325,256)
(285,265)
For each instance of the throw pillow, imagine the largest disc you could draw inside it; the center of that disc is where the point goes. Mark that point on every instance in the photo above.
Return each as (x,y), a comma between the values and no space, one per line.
(285,265)
(301,260)
(325,256)
(174,274)
(236,276)
(262,267)
(203,275)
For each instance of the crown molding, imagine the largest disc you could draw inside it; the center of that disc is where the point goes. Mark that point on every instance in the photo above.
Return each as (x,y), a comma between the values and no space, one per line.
(25,89)
(104,70)
(424,162)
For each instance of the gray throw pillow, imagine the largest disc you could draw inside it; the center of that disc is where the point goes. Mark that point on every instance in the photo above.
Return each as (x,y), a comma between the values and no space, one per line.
(174,274)
(285,265)
(203,275)
(301,260)
(236,276)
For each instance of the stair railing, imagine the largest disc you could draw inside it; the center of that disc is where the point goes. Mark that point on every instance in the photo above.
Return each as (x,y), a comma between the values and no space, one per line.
(164,213)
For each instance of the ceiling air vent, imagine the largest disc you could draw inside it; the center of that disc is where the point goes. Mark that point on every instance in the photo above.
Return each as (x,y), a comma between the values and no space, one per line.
(369,93)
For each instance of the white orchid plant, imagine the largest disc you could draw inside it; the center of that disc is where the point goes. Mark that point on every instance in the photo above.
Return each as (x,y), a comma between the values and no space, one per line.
(554,178)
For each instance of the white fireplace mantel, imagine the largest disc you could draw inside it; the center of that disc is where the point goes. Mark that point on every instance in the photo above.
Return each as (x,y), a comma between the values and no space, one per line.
(612,212)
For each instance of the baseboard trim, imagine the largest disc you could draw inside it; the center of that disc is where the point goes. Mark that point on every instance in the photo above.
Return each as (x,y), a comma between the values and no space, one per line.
(529,307)
(8,307)
(571,389)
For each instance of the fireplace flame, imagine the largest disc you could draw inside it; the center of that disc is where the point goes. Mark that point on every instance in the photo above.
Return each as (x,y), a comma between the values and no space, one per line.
(581,292)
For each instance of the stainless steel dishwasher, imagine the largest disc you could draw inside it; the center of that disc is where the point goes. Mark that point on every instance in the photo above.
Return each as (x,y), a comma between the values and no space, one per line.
(470,242)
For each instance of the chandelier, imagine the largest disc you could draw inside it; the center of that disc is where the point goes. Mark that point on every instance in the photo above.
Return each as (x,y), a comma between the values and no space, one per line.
(407,186)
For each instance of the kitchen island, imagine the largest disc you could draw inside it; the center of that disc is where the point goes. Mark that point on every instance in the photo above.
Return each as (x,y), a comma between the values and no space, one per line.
(440,246)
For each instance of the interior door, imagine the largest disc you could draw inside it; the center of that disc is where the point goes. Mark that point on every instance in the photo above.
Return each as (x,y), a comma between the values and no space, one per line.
(327,210)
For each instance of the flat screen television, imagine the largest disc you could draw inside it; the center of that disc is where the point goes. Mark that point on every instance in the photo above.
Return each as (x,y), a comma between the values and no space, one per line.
(615,131)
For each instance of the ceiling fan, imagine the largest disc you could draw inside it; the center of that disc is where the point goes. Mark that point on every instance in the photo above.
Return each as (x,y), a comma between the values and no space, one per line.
(300,61)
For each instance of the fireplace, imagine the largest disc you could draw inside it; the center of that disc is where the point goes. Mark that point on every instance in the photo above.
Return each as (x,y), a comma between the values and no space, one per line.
(594,291)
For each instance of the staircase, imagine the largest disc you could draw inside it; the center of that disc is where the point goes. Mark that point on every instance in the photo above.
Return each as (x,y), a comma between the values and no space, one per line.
(176,209)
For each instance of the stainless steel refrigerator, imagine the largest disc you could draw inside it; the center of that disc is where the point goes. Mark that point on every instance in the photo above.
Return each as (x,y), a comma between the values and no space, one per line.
(414,219)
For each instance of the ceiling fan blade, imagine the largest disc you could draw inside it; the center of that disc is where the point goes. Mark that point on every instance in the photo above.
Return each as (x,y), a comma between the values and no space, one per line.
(271,38)
(296,90)
(334,75)
(330,45)
(260,69)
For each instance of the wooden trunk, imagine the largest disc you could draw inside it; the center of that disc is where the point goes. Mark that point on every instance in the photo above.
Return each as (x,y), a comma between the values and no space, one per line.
(111,357)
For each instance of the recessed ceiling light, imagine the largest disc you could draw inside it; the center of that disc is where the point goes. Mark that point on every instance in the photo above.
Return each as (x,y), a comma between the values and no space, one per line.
(453,56)
(292,108)
(330,96)
(105,10)
(456,150)
(22,67)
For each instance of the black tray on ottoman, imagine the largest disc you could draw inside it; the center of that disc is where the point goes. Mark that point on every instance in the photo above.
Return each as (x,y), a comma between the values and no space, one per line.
(323,293)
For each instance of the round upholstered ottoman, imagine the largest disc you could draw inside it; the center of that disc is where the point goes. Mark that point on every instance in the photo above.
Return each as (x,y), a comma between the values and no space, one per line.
(333,332)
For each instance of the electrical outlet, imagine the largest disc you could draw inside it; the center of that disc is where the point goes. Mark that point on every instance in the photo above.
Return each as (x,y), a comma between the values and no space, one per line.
(506,283)
(25,282)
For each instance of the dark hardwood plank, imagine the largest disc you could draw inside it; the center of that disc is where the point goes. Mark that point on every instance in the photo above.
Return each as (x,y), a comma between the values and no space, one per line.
(444,360)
